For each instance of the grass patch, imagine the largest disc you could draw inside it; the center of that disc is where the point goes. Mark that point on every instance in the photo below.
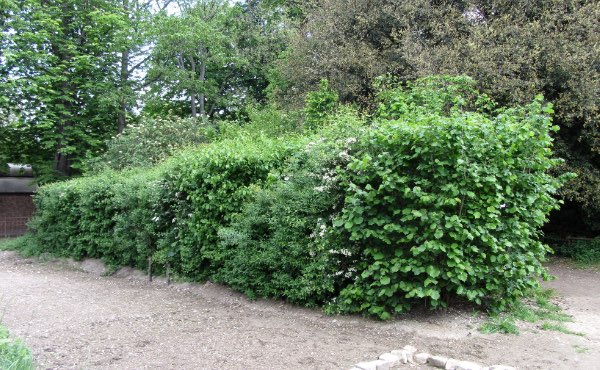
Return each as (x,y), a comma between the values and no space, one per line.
(559,327)
(499,324)
(7,244)
(532,310)
(24,245)
(581,349)
(13,354)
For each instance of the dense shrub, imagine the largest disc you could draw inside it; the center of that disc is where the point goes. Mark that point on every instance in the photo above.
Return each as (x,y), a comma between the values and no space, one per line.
(151,141)
(108,216)
(276,245)
(320,104)
(202,193)
(445,203)
(582,251)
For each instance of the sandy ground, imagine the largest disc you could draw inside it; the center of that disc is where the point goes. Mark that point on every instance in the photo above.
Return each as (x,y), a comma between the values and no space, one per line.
(74,318)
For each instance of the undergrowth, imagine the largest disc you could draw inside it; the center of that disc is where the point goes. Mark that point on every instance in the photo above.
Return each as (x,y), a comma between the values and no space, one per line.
(585,253)
(6,244)
(13,354)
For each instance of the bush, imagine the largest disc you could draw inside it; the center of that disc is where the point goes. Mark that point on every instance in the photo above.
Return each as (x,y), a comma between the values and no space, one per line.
(582,251)
(151,141)
(440,199)
(202,193)
(320,104)
(108,216)
(276,245)
(445,203)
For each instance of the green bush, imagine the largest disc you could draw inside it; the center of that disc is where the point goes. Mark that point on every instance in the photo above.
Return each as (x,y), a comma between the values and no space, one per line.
(202,193)
(150,142)
(268,120)
(441,198)
(585,252)
(276,245)
(108,216)
(320,104)
(446,203)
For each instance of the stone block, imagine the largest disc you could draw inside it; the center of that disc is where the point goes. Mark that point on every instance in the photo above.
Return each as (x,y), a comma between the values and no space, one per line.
(373,365)
(437,361)
(422,358)
(402,354)
(451,364)
(468,365)
(410,352)
(392,359)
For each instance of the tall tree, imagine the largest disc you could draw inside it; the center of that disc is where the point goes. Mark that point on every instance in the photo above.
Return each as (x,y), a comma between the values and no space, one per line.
(192,53)
(133,50)
(57,68)
(263,32)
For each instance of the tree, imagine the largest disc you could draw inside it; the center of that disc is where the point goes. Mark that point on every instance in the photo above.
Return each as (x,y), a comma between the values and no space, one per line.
(133,52)
(350,43)
(57,67)
(262,34)
(191,54)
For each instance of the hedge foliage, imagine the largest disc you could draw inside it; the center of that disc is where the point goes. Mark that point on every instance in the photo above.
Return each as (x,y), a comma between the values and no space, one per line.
(448,203)
(278,245)
(107,216)
(201,194)
(439,197)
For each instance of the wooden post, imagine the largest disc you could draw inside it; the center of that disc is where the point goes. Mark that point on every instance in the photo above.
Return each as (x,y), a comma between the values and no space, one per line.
(150,269)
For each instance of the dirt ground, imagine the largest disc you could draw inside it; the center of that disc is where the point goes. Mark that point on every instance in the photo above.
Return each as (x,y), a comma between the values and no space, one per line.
(74,318)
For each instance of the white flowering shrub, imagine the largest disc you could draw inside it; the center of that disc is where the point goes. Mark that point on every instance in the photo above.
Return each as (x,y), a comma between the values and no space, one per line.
(151,141)
(279,245)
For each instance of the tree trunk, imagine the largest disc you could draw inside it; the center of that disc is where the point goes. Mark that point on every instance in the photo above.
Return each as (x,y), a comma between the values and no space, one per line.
(62,163)
(201,95)
(122,117)
(124,77)
(192,93)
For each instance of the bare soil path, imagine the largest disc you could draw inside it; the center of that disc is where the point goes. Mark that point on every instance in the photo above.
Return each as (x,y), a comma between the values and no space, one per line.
(72,319)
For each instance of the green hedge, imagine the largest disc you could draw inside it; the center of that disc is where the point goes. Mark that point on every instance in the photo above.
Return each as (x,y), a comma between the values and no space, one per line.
(441,205)
(440,198)
(203,191)
(171,212)
(276,244)
(109,216)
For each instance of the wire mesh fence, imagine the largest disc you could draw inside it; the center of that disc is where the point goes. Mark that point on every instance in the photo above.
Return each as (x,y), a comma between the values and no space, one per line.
(13,226)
